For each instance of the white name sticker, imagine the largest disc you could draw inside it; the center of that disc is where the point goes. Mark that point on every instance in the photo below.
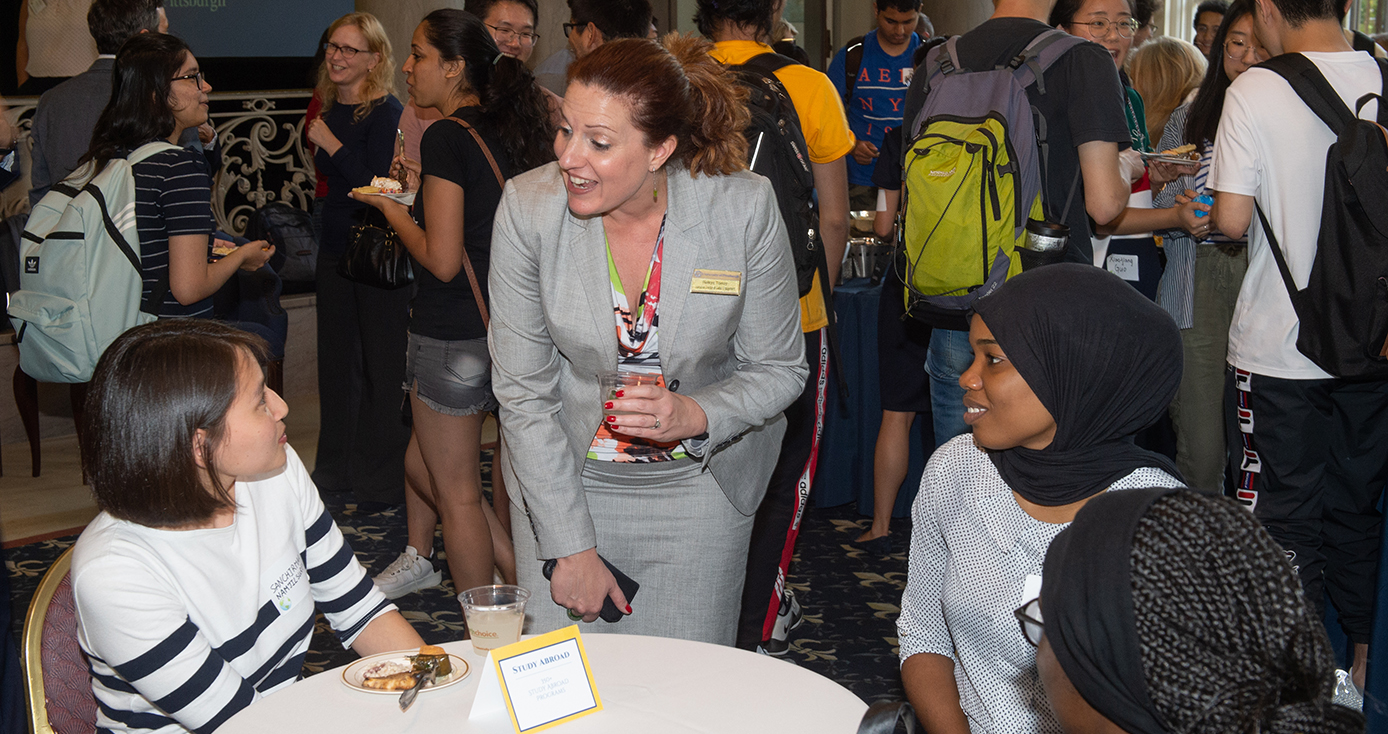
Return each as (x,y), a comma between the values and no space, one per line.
(537,683)
(1123,266)
(289,585)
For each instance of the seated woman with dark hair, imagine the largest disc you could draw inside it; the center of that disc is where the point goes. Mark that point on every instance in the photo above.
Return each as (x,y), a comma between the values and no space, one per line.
(1170,611)
(197,584)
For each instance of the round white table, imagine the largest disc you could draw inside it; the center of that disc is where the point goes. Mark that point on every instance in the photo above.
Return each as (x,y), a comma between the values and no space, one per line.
(649,684)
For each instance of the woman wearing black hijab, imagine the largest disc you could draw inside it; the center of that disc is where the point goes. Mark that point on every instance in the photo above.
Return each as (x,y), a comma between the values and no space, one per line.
(1168,611)
(1069,363)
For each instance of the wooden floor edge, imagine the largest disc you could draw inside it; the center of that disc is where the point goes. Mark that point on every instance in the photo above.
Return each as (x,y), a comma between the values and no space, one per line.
(40,538)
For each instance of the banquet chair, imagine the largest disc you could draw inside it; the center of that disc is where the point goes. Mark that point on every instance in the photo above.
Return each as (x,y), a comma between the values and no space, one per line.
(59,685)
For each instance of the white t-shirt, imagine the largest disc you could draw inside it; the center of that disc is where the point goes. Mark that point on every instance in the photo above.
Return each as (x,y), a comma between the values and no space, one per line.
(1272,147)
(183,628)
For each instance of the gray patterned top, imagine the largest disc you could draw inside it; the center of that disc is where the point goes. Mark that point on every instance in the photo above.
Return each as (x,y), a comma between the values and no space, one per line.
(973,550)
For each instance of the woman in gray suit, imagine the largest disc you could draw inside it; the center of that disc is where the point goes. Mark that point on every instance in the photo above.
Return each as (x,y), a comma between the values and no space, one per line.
(650,198)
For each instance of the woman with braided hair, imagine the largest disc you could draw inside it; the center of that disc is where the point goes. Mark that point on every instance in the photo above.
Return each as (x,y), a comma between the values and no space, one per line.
(1171,611)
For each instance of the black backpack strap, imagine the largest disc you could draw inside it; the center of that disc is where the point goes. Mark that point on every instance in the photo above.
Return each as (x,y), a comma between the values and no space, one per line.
(852,64)
(1292,291)
(1381,96)
(767,63)
(152,304)
(1310,85)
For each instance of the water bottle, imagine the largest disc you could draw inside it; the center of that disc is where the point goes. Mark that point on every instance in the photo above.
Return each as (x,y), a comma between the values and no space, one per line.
(1044,244)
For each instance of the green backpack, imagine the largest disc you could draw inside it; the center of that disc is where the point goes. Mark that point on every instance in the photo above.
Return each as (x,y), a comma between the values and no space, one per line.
(971,172)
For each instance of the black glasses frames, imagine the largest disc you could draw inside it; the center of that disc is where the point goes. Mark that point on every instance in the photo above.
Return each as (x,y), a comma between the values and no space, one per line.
(195,76)
(1029,618)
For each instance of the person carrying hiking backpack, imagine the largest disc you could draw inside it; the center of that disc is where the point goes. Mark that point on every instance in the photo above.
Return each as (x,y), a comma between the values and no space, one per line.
(155,193)
(740,29)
(1081,101)
(1306,395)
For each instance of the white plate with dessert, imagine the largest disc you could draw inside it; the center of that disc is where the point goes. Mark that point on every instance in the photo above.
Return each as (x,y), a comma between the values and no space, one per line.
(393,672)
(389,188)
(1185,155)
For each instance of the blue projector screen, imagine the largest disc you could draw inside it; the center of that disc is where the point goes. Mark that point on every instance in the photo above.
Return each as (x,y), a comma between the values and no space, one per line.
(239,28)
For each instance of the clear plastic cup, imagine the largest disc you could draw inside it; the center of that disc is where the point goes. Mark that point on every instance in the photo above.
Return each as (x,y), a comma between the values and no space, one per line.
(494,614)
(613,380)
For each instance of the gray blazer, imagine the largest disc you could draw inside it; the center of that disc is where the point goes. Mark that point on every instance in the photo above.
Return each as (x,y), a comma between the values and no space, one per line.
(741,357)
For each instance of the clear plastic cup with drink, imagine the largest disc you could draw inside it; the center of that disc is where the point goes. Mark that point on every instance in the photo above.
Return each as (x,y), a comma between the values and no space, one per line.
(494,615)
(613,380)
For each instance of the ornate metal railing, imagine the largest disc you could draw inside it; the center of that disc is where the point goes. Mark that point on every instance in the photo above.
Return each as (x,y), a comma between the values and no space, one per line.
(260,135)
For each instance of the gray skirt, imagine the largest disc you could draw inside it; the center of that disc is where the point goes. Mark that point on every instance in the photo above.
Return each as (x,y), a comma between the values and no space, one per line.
(670,528)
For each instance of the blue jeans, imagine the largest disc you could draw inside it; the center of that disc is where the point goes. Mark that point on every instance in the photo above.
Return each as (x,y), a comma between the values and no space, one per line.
(949,355)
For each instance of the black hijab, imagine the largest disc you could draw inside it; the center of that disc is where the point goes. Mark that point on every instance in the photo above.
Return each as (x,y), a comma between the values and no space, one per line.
(1087,608)
(1105,362)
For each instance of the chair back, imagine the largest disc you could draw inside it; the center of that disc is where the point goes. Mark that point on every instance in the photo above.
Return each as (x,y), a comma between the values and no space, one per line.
(59,682)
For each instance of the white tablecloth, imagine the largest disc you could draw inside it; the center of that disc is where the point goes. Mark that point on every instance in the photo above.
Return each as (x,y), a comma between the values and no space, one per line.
(647,684)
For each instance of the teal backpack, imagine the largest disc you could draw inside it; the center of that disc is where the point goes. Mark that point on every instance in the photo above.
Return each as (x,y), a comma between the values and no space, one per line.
(80,281)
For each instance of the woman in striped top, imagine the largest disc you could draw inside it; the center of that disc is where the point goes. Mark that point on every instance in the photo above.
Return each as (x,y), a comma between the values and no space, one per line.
(196,586)
(1203,274)
(158,92)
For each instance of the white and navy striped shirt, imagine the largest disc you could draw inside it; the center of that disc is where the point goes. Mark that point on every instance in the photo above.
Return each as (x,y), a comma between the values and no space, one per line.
(184,628)
(173,196)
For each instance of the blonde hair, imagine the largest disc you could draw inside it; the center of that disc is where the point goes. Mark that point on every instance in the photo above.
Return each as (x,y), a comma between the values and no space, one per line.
(1165,71)
(379,82)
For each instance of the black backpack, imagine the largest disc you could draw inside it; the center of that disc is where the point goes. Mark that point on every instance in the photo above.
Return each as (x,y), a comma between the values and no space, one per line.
(776,149)
(290,230)
(1343,309)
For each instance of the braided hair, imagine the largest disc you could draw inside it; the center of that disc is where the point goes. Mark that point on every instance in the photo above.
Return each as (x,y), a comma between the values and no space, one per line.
(1228,642)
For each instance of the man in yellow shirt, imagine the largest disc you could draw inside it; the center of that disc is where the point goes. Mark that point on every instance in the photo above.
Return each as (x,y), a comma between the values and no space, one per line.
(740,30)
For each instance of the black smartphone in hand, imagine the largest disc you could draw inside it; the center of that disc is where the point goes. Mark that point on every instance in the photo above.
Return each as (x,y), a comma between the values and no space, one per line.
(629,587)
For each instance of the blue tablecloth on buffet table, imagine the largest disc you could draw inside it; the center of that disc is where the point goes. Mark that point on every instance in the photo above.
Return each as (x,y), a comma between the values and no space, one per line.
(850,431)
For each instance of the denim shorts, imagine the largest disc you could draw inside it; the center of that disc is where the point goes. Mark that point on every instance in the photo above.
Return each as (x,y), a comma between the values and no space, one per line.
(451,377)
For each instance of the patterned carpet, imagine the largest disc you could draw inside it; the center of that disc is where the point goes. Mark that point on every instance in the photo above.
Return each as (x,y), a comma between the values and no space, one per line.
(849,598)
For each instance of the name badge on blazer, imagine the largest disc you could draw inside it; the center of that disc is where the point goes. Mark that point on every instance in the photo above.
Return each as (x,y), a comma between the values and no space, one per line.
(717,282)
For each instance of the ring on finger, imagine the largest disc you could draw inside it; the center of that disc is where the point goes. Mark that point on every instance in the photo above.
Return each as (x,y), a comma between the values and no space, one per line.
(575,616)
(657,423)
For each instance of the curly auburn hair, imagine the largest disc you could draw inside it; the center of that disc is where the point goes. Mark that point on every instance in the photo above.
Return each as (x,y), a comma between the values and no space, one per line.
(675,88)
(1229,644)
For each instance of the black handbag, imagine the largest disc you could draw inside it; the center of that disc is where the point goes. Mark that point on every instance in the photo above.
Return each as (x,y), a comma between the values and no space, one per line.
(376,257)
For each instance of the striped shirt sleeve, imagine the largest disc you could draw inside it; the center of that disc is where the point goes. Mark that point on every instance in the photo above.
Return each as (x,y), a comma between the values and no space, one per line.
(341,587)
(159,655)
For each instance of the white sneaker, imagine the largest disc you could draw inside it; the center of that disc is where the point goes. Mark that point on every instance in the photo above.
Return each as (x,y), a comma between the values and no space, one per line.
(406,574)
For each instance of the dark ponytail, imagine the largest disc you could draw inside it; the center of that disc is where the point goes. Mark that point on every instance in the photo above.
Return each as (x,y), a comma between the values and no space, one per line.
(513,106)
(1202,122)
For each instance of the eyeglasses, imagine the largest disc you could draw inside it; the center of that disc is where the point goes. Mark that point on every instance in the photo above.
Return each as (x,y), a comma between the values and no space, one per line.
(506,35)
(1237,49)
(571,27)
(195,76)
(1029,617)
(348,52)
(1100,28)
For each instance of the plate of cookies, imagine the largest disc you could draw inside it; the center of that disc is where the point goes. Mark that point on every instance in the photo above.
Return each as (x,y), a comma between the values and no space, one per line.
(389,188)
(394,672)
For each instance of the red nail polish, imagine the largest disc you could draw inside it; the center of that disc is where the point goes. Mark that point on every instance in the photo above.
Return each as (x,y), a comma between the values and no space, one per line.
(628,609)
(620,393)
(611,419)
(607,406)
